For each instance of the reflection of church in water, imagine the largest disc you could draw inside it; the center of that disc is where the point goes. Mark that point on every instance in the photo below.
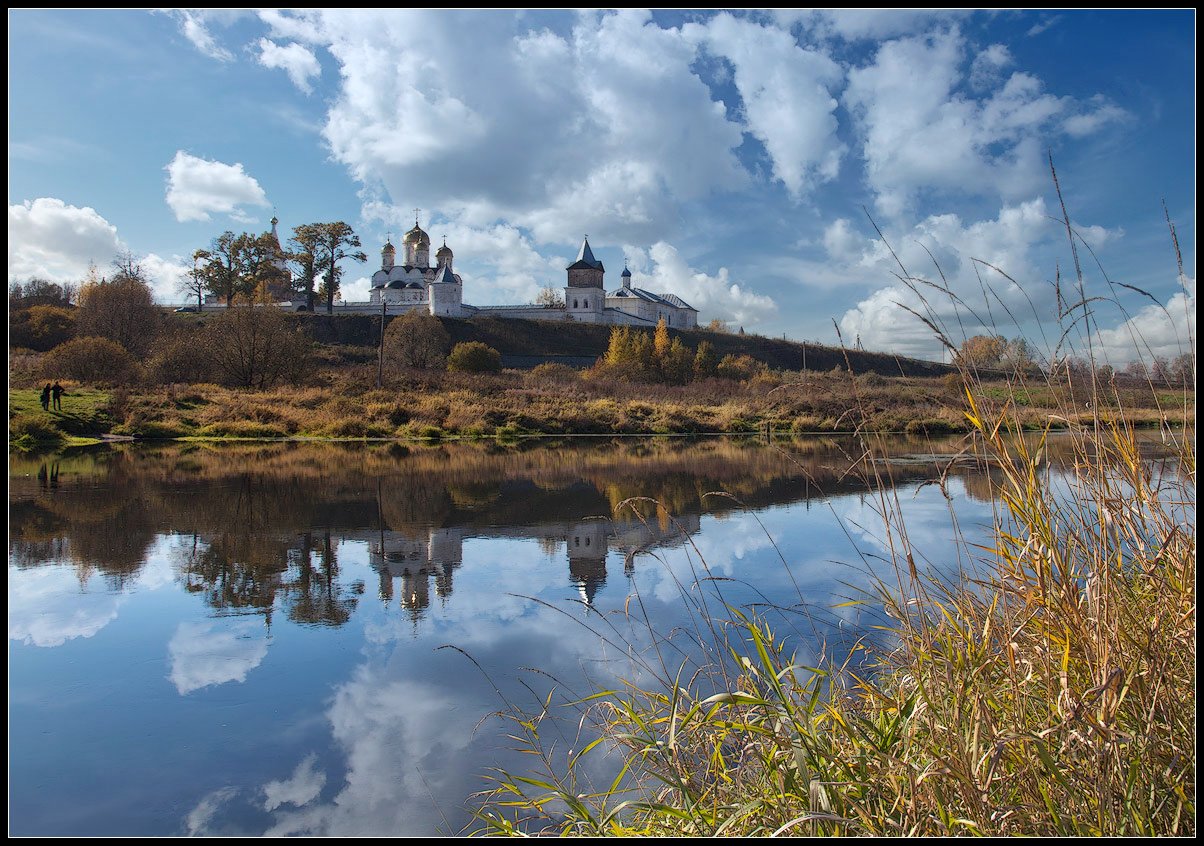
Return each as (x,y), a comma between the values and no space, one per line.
(410,566)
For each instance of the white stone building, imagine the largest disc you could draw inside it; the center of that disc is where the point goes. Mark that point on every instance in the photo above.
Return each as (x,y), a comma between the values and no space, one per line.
(438,290)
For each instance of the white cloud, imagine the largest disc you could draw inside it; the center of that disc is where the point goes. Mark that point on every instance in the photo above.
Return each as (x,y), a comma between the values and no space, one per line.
(1155,330)
(46,607)
(165,276)
(303,787)
(297,25)
(215,652)
(787,96)
(662,270)
(50,239)
(193,25)
(841,242)
(986,68)
(859,24)
(1085,123)
(922,136)
(1041,26)
(298,62)
(1010,242)
(199,818)
(196,187)
(604,130)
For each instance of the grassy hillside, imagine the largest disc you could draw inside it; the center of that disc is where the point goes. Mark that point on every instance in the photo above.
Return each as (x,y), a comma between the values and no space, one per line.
(537,338)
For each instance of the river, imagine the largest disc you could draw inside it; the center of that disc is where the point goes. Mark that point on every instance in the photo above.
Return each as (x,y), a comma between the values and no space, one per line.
(310,639)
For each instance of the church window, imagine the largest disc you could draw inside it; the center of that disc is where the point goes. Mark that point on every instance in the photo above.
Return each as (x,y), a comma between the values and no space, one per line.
(574,303)
(587,304)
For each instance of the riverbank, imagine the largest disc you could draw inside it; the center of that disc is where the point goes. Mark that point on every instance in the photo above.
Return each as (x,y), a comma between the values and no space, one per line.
(556,400)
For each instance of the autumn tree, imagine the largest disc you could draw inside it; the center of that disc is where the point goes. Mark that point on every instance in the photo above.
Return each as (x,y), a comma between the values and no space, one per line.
(705,360)
(1018,355)
(336,241)
(717,325)
(255,259)
(677,364)
(303,255)
(92,360)
(1183,369)
(40,327)
(121,309)
(981,351)
(416,340)
(41,292)
(220,266)
(660,342)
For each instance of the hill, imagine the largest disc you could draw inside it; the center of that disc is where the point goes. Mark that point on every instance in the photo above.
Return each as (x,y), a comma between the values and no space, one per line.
(526,343)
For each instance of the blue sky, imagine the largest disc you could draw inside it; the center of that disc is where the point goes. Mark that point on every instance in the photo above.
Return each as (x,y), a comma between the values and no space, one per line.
(740,160)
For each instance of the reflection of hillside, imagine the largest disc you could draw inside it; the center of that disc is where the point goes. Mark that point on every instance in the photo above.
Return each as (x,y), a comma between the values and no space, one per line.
(256,509)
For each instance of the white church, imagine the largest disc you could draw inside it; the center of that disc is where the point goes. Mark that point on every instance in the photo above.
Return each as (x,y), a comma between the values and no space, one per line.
(415,284)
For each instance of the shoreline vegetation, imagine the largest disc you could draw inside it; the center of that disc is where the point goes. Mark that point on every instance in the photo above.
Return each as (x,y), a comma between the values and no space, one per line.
(554,400)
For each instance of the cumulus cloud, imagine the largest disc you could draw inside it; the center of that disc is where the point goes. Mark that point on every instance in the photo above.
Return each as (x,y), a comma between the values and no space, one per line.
(604,129)
(841,242)
(196,187)
(920,134)
(297,61)
(1155,330)
(52,240)
(787,96)
(215,652)
(985,70)
(165,276)
(662,270)
(945,246)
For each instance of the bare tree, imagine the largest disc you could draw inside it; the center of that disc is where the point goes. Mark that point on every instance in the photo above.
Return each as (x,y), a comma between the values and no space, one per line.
(256,346)
(550,298)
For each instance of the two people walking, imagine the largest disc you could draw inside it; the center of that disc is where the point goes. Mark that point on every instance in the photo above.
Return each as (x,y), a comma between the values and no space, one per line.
(54,391)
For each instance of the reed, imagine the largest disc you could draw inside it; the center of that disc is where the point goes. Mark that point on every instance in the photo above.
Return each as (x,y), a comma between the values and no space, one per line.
(1047,690)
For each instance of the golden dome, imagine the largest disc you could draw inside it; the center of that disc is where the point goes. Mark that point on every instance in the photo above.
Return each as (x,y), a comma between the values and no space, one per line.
(417,236)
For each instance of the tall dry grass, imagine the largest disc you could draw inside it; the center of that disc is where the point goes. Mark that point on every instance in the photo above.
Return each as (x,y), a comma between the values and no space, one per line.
(1049,690)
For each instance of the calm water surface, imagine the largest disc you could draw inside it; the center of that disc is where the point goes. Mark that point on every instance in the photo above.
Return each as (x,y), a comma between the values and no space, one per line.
(246,640)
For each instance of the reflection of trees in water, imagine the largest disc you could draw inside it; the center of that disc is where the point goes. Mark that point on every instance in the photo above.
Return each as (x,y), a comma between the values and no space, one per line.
(256,508)
(313,594)
(235,572)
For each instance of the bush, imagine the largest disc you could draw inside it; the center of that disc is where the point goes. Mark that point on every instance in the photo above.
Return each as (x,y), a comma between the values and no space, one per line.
(474,357)
(29,430)
(739,367)
(97,361)
(180,358)
(416,340)
(552,372)
(41,327)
